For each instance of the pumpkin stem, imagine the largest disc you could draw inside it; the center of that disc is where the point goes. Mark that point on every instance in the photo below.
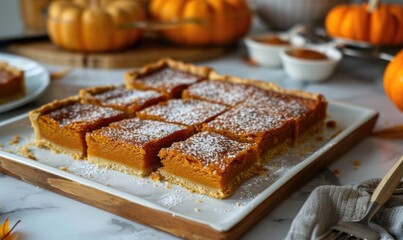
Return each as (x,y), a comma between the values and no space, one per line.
(373,5)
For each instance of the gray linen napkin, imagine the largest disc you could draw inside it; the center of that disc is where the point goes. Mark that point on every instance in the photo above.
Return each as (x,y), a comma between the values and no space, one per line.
(328,204)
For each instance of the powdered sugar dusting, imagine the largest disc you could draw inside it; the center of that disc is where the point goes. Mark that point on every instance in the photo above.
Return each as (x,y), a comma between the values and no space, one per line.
(221,92)
(88,170)
(171,199)
(168,78)
(187,112)
(247,120)
(121,135)
(273,102)
(211,149)
(149,128)
(76,113)
(109,94)
(127,96)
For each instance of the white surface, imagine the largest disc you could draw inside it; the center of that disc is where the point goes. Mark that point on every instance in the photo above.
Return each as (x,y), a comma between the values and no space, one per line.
(221,215)
(311,70)
(36,80)
(48,216)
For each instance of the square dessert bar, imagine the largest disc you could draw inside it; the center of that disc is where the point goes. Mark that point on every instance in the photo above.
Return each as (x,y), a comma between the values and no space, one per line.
(254,125)
(132,145)
(222,92)
(186,112)
(126,100)
(61,125)
(12,85)
(306,110)
(209,163)
(167,76)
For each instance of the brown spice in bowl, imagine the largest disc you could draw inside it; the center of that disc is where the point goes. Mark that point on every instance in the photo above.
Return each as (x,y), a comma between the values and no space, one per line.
(272,40)
(307,54)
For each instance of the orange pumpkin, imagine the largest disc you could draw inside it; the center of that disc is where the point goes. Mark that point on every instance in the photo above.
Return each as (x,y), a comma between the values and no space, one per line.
(393,80)
(383,26)
(218,21)
(93,26)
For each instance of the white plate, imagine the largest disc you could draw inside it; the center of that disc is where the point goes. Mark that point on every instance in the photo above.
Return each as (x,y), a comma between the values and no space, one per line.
(36,80)
(221,215)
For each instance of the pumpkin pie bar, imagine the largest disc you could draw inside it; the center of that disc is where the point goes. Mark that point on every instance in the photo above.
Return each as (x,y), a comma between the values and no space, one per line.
(126,100)
(306,110)
(61,125)
(222,92)
(132,145)
(191,113)
(254,125)
(12,85)
(167,76)
(209,163)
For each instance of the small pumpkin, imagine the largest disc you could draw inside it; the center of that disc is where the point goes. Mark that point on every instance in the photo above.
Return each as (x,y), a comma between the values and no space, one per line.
(382,26)
(393,80)
(92,26)
(220,21)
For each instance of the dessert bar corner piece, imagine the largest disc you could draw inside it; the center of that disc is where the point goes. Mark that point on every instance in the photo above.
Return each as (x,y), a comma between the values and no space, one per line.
(167,76)
(185,112)
(209,163)
(126,100)
(12,85)
(62,124)
(132,145)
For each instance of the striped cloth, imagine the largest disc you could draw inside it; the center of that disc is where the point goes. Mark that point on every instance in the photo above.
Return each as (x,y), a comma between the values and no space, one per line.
(328,204)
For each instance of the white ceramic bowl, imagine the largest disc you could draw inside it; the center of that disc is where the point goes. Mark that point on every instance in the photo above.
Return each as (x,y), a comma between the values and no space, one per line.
(311,70)
(283,14)
(269,54)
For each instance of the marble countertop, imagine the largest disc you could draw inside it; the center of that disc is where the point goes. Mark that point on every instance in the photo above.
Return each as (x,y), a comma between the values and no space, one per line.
(47,215)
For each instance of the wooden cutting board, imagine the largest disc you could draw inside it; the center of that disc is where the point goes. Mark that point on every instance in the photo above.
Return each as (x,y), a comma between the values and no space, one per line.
(356,124)
(143,53)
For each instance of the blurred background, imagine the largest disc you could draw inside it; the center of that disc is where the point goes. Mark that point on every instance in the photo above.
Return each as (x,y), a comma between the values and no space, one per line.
(25,19)
(142,31)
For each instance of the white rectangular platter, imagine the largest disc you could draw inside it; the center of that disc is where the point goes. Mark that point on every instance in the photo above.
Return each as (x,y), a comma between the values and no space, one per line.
(171,208)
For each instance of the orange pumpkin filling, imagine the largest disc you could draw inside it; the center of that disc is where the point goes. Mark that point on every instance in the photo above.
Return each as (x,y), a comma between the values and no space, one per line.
(209,163)
(12,84)
(132,145)
(62,125)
